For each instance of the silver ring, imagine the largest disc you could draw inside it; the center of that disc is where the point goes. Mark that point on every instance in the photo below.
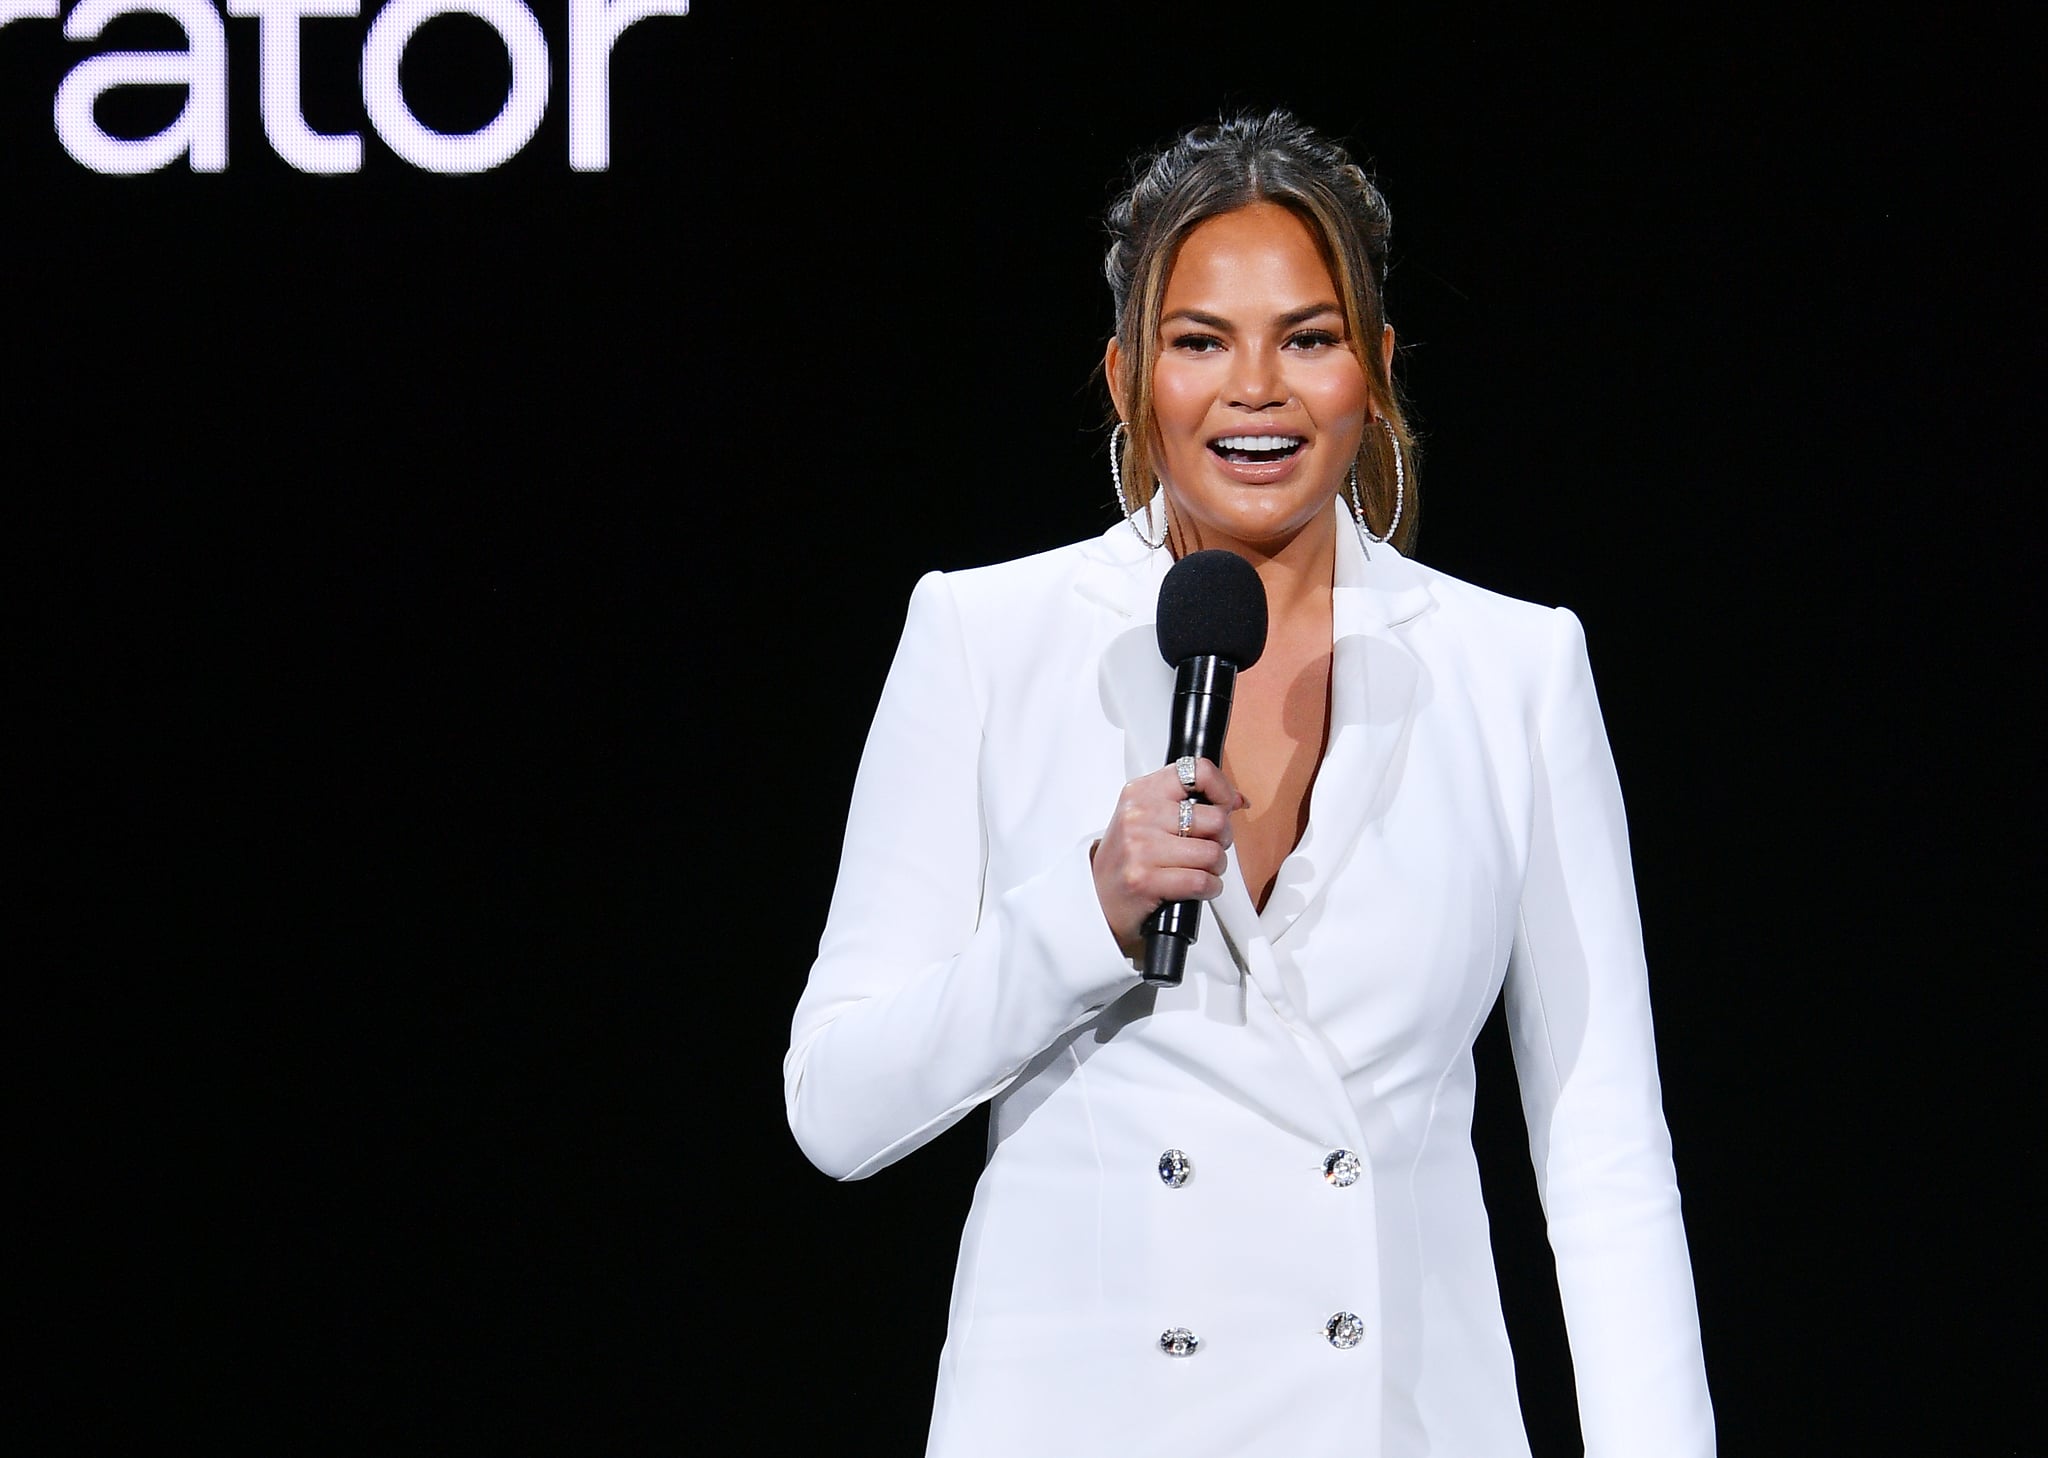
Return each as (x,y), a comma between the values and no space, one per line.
(1185,768)
(1187,816)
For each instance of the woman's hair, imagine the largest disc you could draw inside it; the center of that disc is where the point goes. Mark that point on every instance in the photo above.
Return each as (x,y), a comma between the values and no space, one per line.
(1219,168)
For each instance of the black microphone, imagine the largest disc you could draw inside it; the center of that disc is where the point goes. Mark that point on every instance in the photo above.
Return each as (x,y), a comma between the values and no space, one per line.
(1212,626)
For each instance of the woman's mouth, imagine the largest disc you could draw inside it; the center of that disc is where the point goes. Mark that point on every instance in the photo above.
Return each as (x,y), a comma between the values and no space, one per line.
(1257,450)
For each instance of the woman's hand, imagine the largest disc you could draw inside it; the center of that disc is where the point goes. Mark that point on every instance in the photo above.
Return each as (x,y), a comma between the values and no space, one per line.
(1144,859)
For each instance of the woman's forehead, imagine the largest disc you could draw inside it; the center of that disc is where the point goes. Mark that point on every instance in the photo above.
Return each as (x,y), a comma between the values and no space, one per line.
(1252,261)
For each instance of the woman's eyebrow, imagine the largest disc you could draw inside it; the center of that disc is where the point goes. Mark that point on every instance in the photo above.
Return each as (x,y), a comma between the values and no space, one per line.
(1286,320)
(1306,313)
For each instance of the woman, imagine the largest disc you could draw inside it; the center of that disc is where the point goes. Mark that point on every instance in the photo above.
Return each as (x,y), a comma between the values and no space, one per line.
(1242,1215)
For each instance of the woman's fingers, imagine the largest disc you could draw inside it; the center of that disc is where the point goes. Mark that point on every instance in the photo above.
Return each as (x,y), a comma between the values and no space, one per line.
(1214,786)
(1205,822)
(1147,847)
(1140,887)
(1208,838)
(1141,814)
(1164,845)
(1182,885)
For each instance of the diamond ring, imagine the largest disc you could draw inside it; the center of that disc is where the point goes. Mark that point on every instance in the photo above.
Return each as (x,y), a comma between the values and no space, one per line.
(1185,768)
(1187,816)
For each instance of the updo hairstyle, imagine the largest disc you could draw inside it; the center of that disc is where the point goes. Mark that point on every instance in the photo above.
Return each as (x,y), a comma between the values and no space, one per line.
(1219,168)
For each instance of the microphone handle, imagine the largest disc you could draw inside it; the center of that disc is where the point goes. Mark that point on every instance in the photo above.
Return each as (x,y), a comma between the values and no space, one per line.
(1202,687)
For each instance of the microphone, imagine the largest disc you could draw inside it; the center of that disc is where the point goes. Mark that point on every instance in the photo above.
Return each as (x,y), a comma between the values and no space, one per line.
(1212,626)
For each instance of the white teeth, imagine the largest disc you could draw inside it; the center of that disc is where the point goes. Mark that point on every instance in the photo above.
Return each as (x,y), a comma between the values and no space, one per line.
(1258,442)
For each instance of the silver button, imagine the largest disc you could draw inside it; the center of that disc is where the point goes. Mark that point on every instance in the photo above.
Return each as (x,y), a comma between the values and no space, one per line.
(1344,1330)
(1175,1169)
(1178,1341)
(1342,1168)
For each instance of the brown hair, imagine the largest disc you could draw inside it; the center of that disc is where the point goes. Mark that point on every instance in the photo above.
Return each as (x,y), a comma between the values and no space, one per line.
(1219,168)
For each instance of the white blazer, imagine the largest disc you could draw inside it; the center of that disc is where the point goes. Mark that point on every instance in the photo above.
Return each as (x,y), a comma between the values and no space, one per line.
(1465,827)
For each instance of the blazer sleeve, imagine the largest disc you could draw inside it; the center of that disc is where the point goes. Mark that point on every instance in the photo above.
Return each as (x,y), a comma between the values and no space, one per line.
(1579,1021)
(929,995)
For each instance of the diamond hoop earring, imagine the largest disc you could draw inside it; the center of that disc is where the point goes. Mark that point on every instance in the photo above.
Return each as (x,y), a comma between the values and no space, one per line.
(1400,493)
(1116,479)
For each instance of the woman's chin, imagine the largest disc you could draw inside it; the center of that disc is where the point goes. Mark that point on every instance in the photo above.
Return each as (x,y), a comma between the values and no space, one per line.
(1264,518)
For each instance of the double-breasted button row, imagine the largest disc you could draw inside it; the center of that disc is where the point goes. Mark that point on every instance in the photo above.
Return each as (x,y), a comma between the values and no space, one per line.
(1344,1330)
(1341,1168)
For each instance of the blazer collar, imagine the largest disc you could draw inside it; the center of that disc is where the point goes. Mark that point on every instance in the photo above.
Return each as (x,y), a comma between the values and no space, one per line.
(1122,574)
(1373,684)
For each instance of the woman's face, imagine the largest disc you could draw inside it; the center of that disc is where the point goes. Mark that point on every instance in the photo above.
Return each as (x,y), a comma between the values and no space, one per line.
(1259,397)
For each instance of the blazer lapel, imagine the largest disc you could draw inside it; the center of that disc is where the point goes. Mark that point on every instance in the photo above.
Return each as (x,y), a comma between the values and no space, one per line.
(1373,682)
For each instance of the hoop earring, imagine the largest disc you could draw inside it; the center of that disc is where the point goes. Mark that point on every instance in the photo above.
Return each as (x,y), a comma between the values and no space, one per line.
(1116,479)
(1400,493)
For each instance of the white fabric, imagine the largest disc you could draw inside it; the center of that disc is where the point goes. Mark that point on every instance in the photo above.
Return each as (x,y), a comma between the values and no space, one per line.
(1465,826)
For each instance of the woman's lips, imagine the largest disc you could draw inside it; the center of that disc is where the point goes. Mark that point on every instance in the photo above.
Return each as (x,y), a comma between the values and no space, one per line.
(1256,449)
(1258,460)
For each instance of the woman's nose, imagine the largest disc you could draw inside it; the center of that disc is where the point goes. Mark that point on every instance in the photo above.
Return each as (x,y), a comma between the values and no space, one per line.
(1255,380)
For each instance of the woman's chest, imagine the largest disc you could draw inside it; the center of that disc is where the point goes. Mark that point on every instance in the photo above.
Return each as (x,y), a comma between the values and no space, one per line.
(1279,730)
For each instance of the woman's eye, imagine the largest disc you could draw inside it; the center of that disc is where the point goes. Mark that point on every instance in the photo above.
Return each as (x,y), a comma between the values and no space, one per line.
(1313,339)
(1198,343)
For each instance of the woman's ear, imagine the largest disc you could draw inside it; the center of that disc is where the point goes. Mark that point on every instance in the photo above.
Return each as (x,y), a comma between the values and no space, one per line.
(1387,351)
(1112,361)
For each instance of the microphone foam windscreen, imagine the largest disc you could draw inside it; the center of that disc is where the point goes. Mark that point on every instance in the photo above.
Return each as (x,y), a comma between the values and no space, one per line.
(1212,602)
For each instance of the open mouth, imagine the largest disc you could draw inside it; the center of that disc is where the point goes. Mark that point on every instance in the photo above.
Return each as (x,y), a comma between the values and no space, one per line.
(1257,450)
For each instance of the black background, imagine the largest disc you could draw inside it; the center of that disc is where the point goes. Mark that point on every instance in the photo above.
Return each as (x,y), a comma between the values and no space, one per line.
(450,609)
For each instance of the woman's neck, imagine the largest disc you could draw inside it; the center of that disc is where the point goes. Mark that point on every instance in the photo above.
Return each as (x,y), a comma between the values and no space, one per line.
(1297,573)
